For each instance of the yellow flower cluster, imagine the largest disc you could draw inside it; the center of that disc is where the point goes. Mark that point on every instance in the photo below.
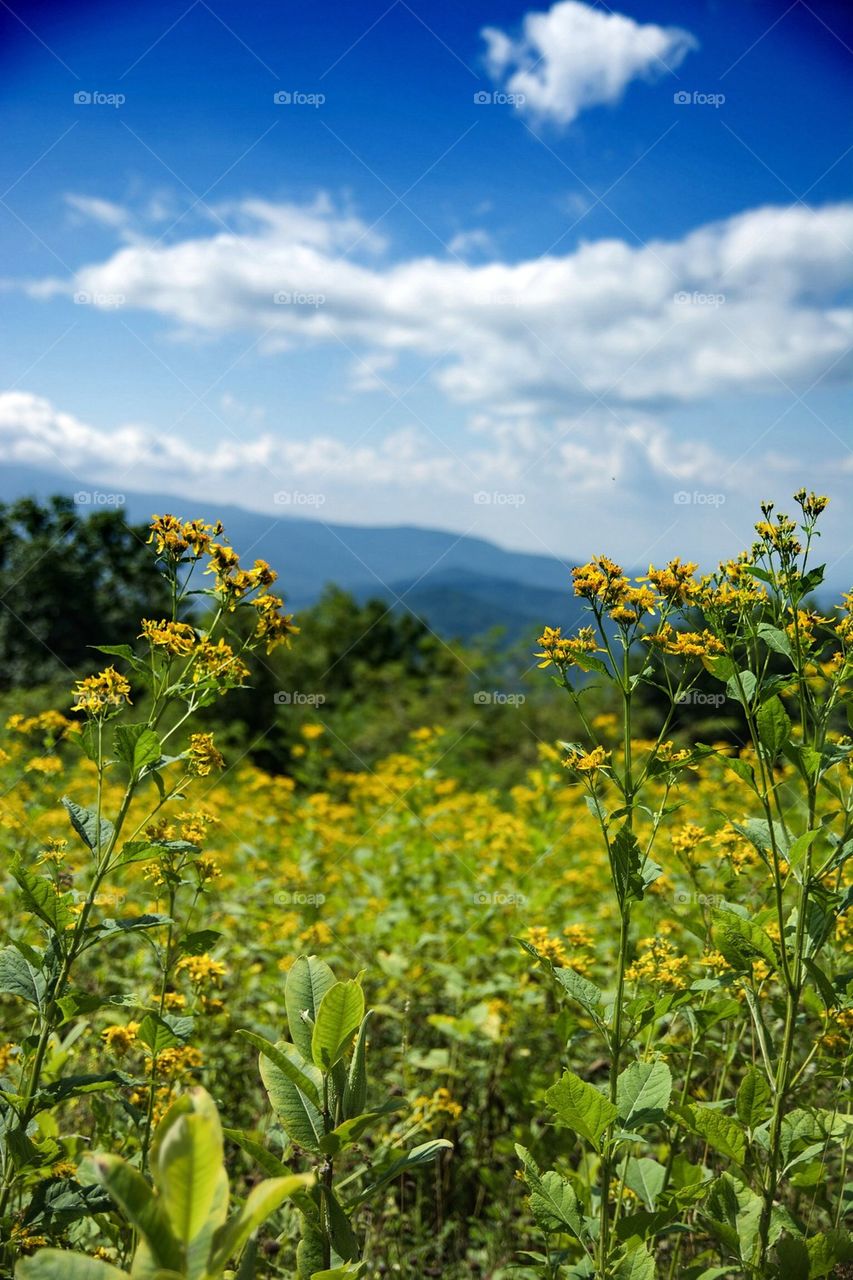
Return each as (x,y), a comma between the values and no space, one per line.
(176,638)
(588,762)
(120,1039)
(439,1107)
(203,970)
(564,650)
(687,644)
(204,755)
(98,695)
(660,965)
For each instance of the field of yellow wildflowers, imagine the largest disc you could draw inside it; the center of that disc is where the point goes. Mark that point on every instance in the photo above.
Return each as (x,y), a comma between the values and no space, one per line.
(597,1025)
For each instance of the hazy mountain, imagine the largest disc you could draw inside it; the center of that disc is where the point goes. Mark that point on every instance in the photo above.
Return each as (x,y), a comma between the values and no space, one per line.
(463,586)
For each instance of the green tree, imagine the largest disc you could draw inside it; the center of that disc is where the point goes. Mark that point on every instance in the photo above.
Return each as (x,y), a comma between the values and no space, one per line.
(68,581)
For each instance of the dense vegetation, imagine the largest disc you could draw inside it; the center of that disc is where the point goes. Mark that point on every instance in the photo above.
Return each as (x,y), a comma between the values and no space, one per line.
(479,988)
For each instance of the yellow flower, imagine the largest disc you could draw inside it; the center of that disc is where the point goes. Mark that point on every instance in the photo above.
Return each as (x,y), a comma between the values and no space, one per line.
(177,638)
(312,731)
(203,970)
(589,762)
(204,756)
(120,1039)
(96,695)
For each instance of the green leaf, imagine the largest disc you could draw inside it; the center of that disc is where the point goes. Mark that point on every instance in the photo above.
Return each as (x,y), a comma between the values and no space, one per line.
(116,651)
(187,1164)
(18,977)
(581,1107)
(41,897)
(341,1233)
(308,980)
(424,1154)
(636,1263)
(351,1130)
(586,993)
(265,1159)
(740,940)
(741,688)
(261,1202)
(347,1272)
(645,1178)
(297,1114)
(720,1131)
(60,1264)
(642,1093)
(338,1018)
(140,1206)
(355,1091)
(776,640)
(283,1057)
(753,1099)
(85,823)
(627,860)
(774,726)
(157,1034)
(552,1199)
(136,746)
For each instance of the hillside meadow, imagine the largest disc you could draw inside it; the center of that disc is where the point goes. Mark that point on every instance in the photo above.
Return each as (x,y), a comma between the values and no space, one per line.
(591,1019)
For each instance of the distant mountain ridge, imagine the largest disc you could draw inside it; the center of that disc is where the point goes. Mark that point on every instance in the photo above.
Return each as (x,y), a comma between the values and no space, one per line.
(463,586)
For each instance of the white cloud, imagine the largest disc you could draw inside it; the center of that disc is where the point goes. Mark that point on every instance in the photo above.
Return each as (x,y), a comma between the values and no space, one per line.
(574,57)
(749,303)
(94,209)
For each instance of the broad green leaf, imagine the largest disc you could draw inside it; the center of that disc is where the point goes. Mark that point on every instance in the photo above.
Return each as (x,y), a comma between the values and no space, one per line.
(85,823)
(774,726)
(776,640)
(552,1199)
(297,1114)
(40,896)
(261,1202)
(136,746)
(283,1057)
(308,980)
(643,1092)
(753,1098)
(142,1208)
(157,1034)
(740,940)
(187,1163)
(347,1272)
(734,1211)
(339,1016)
(60,1264)
(581,1107)
(645,1177)
(741,688)
(720,1131)
(636,1263)
(18,977)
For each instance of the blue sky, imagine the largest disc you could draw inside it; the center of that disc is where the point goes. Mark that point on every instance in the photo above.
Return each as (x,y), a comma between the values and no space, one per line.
(547,318)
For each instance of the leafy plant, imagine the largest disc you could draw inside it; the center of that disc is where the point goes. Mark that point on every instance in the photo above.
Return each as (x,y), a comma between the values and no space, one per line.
(182,1224)
(317,1084)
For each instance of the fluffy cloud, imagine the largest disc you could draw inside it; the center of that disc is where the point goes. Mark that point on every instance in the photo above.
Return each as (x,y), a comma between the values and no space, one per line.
(575,56)
(745,304)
